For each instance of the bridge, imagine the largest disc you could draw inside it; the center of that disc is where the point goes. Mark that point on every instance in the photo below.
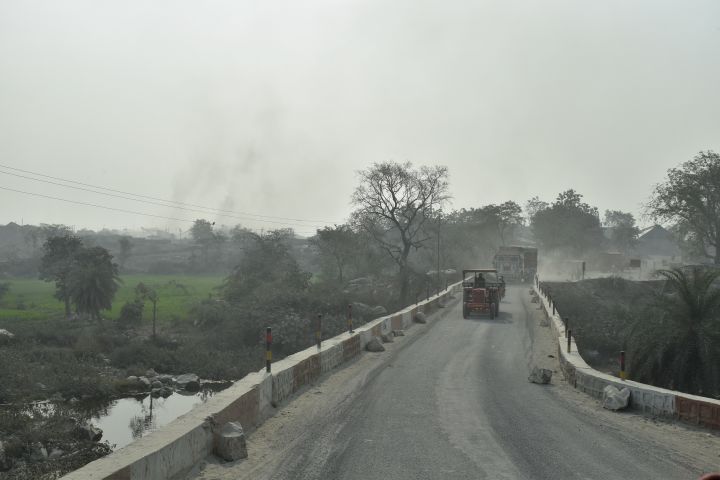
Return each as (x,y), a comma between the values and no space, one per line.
(450,399)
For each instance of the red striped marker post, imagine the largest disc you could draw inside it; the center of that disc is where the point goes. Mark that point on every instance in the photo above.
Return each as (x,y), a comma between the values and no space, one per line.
(318,331)
(268,348)
(623,375)
(569,338)
(350,325)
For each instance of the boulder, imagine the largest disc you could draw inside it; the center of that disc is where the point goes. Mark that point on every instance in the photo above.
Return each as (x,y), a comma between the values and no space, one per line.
(156,392)
(38,453)
(144,382)
(361,309)
(540,375)
(5,462)
(420,317)
(374,345)
(6,337)
(88,432)
(230,442)
(189,382)
(166,392)
(387,338)
(378,311)
(164,378)
(151,373)
(156,384)
(398,333)
(614,399)
(132,378)
(55,453)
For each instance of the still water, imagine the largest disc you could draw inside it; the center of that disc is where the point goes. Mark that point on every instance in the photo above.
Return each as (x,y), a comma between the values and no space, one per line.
(128,419)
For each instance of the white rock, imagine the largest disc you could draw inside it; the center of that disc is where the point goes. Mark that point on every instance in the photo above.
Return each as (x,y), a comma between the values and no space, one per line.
(540,375)
(189,382)
(374,345)
(55,453)
(387,338)
(230,442)
(614,399)
(420,317)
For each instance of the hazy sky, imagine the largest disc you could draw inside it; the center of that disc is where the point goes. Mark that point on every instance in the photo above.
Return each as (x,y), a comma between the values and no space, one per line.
(270,107)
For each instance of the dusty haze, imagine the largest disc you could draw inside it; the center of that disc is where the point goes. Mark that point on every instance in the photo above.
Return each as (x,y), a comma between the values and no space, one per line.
(271,107)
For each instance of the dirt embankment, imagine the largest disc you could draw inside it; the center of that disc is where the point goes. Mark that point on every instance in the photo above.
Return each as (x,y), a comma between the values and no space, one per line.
(602,313)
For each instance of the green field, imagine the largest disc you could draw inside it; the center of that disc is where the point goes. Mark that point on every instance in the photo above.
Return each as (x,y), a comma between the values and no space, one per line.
(31,299)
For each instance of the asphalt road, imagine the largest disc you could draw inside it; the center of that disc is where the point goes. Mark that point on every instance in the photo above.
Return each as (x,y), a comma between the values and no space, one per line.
(456,404)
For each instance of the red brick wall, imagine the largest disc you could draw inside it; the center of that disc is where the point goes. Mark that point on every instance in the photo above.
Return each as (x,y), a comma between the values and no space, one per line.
(698,412)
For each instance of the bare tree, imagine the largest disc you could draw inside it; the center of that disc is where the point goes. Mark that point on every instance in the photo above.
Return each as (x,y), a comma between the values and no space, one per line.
(393,203)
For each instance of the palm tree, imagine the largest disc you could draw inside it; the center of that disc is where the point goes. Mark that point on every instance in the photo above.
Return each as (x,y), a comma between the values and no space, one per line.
(93,281)
(678,344)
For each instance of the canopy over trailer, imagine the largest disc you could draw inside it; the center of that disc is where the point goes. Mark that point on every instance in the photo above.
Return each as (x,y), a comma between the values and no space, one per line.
(516,264)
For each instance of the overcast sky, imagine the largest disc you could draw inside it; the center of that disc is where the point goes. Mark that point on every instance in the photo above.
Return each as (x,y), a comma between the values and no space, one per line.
(270,107)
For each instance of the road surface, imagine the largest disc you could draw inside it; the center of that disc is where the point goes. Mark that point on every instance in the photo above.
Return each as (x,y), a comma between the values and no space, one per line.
(456,404)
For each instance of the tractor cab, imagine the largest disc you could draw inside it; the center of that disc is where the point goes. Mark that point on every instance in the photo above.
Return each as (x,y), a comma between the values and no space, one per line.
(483,290)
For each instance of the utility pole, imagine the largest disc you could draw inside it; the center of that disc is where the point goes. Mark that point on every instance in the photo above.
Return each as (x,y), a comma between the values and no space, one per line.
(438,255)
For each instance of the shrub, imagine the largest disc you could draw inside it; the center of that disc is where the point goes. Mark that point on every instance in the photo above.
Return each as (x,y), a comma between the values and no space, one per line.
(131,313)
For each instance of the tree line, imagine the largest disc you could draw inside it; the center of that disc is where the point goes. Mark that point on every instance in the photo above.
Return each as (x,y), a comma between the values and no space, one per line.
(399,233)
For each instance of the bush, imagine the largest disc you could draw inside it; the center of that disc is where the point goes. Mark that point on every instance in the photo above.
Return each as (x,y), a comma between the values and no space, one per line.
(211,313)
(131,313)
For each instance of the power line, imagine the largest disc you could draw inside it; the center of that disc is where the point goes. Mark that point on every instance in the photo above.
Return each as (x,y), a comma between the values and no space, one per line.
(157,203)
(104,207)
(155,198)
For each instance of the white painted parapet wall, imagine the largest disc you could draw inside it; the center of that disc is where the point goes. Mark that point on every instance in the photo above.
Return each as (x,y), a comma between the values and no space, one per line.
(179,446)
(646,398)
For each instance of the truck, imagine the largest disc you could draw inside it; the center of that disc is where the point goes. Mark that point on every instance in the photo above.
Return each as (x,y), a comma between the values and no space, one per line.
(483,290)
(516,264)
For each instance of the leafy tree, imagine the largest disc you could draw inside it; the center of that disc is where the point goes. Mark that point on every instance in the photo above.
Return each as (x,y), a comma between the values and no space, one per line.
(569,224)
(533,206)
(393,203)
(126,246)
(691,197)
(92,281)
(624,233)
(506,217)
(677,344)
(4,289)
(267,270)
(337,246)
(202,233)
(146,293)
(57,263)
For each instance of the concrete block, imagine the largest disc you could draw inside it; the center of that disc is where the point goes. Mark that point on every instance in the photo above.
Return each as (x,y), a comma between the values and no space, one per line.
(330,357)
(351,348)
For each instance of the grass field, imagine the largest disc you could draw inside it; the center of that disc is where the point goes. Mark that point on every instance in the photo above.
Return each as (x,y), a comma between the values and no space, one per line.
(31,299)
